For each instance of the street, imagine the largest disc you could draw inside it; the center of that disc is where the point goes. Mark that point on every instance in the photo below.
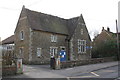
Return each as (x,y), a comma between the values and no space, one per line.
(111,72)
(101,70)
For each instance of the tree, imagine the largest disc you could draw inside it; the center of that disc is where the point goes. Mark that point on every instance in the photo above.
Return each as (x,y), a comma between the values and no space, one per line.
(105,49)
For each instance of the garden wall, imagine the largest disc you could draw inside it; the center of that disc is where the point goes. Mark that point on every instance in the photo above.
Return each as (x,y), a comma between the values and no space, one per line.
(8,70)
(85,62)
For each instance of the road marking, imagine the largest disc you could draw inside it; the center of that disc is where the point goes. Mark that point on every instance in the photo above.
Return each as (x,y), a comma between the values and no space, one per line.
(87,76)
(94,74)
(68,78)
(82,77)
(69,68)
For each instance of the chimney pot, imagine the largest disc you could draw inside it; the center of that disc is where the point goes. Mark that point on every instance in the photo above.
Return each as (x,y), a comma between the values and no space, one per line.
(108,29)
(102,28)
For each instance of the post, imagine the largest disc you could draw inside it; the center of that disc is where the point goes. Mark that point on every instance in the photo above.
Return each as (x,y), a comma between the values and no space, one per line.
(117,41)
(19,66)
(58,63)
(0,58)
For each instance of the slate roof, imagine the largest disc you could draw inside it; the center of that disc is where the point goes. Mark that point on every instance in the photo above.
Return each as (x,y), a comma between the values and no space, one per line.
(45,22)
(8,40)
(49,23)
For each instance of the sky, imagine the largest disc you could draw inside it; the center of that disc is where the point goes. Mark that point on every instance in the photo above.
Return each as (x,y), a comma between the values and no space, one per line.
(96,13)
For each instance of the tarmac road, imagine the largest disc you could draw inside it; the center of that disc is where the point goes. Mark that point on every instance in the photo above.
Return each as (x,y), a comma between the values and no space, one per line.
(101,70)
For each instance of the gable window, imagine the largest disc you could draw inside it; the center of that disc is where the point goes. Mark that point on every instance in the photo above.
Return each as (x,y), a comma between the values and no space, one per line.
(39,52)
(81,46)
(53,38)
(21,35)
(53,51)
(81,31)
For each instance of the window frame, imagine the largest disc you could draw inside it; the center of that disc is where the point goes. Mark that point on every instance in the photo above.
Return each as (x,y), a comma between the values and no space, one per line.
(22,35)
(53,38)
(81,46)
(21,52)
(53,51)
(39,52)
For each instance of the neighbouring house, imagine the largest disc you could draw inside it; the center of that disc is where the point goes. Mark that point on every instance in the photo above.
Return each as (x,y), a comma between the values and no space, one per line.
(104,44)
(8,46)
(104,36)
(39,36)
(9,61)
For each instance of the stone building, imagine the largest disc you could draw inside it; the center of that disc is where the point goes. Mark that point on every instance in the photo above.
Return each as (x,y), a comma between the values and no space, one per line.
(105,44)
(39,36)
(104,36)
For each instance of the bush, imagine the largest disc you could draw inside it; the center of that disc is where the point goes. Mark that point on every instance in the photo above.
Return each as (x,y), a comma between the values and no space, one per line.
(105,49)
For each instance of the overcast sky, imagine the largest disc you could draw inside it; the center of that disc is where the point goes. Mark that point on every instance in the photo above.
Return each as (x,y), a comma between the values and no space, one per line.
(96,13)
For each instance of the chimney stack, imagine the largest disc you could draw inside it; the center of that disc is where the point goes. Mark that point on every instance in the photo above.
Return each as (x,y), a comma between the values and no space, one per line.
(102,28)
(108,29)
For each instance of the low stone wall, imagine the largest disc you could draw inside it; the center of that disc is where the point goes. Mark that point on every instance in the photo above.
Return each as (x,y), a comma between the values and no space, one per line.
(37,62)
(85,62)
(8,70)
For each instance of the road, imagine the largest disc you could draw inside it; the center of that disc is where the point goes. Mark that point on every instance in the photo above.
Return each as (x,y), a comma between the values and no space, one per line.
(86,71)
(111,72)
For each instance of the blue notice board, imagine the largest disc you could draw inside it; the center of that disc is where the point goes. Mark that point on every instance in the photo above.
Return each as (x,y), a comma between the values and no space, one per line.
(62,56)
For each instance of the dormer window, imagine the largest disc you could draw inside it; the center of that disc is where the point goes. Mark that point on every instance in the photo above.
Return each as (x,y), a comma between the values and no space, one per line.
(53,38)
(21,35)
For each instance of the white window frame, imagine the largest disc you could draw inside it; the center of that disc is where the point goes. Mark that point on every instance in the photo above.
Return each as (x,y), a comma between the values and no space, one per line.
(81,46)
(53,51)
(21,35)
(39,52)
(53,38)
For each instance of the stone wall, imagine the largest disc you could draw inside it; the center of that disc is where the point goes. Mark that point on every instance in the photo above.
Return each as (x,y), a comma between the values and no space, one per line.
(8,70)
(74,43)
(41,39)
(85,62)
(22,25)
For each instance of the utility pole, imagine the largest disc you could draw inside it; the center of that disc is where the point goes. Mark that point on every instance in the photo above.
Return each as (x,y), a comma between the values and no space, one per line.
(117,41)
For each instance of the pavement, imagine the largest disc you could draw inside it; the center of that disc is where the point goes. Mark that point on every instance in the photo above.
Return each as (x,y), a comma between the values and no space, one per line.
(44,71)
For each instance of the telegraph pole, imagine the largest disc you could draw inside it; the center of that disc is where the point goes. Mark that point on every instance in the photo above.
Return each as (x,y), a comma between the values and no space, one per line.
(118,56)
(117,41)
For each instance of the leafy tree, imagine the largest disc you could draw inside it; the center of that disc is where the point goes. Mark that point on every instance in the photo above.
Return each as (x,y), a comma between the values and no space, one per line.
(105,49)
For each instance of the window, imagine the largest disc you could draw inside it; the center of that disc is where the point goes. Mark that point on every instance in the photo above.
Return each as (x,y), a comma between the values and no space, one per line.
(21,35)
(53,38)
(81,46)
(53,51)
(81,31)
(21,52)
(39,52)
